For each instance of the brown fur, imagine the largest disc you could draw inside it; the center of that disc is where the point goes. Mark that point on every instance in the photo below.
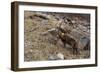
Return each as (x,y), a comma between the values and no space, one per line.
(66,39)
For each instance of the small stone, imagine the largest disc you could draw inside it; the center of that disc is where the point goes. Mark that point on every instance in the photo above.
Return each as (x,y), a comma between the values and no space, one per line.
(51,58)
(60,56)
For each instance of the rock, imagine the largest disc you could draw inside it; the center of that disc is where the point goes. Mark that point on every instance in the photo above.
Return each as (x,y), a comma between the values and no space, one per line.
(39,15)
(60,56)
(82,38)
(84,43)
(51,31)
(53,57)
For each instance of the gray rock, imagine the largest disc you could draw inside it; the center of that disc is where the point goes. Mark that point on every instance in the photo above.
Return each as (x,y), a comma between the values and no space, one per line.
(82,38)
(58,56)
(84,43)
(52,57)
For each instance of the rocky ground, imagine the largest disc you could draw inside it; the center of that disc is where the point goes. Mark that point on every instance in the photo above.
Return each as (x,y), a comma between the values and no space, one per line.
(56,36)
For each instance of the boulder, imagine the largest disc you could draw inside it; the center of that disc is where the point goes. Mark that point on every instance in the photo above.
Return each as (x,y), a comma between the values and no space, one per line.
(84,43)
(83,39)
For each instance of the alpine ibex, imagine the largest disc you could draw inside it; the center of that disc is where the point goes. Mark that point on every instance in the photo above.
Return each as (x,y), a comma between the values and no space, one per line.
(63,34)
(67,39)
